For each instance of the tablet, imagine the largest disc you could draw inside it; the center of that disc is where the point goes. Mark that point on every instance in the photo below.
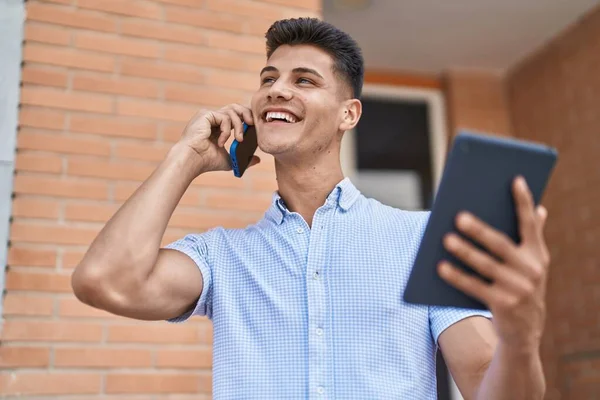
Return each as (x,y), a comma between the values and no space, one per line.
(478,178)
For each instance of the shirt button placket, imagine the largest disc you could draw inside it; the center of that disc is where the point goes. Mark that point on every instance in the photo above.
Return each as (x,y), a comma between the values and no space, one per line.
(317,335)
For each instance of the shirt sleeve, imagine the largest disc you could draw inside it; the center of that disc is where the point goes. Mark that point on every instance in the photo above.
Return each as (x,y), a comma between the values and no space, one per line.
(441,318)
(194,246)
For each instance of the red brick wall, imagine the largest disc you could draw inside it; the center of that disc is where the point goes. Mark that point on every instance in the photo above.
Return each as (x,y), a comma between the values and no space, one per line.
(107,88)
(555,98)
(477,100)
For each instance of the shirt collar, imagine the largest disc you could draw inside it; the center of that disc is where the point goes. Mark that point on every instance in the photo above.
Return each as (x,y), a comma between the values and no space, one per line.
(344,195)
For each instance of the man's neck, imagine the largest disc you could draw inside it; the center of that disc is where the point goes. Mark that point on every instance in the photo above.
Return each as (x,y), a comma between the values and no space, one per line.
(304,186)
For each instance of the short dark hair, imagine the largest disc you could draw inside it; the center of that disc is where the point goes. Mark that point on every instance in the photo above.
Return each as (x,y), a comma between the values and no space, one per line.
(347,56)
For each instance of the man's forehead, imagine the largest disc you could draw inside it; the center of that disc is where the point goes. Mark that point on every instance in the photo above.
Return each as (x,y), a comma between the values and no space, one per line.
(287,58)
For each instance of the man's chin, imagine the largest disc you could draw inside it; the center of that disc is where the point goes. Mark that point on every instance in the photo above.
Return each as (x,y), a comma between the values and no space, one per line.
(275,149)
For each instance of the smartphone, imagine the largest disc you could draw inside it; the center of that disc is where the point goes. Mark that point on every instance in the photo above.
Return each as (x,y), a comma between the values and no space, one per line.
(478,178)
(241,153)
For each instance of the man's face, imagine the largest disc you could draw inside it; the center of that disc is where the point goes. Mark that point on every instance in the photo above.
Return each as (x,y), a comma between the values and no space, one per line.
(300,103)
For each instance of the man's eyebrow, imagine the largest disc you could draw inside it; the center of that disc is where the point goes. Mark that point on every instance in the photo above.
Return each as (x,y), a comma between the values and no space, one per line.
(304,70)
(268,68)
(297,70)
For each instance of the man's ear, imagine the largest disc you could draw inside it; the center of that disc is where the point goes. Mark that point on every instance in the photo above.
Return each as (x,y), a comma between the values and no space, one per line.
(351,112)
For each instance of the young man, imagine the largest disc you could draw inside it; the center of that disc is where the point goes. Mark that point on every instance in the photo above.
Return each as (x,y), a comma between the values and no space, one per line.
(307,303)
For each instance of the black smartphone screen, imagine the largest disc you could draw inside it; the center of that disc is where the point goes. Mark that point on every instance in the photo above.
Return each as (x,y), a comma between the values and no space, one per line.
(245,150)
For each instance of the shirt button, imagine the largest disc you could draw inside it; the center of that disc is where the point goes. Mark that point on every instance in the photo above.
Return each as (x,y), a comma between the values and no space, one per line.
(300,230)
(316,275)
(320,390)
(319,331)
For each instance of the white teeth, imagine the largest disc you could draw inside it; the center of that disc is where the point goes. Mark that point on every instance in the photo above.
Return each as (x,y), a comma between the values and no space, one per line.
(280,115)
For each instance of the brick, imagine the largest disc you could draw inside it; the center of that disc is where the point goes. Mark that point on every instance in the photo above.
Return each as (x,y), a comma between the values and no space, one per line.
(35,208)
(234,80)
(89,212)
(34,233)
(51,331)
(70,17)
(299,12)
(60,187)
(44,76)
(255,64)
(41,282)
(215,58)
(64,100)
(47,383)
(156,110)
(220,179)
(131,8)
(184,358)
(241,43)
(140,151)
(32,257)
(261,182)
(72,308)
(31,140)
(20,357)
(66,57)
(124,190)
(203,221)
(151,383)
(106,43)
(115,85)
(65,2)
(99,169)
(257,26)
(239,201)
(169,33)
(204,19)
(40,118)
(188,3)
(204,95)
(172,133)
(36,32)
(112,127)
(172,234)
(245,8)
(171,334)
(26,161)
(70,259)
(23,304)
(101,358)
(164,71)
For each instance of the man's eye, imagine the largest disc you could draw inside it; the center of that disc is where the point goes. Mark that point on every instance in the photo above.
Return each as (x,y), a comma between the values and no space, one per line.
(304,80)
(267,80)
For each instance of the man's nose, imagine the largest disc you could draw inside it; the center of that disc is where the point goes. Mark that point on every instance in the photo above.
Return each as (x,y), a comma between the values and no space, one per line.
(280,90)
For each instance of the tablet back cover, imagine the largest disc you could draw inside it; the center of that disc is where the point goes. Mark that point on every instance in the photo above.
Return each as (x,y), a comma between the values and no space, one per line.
(477,177)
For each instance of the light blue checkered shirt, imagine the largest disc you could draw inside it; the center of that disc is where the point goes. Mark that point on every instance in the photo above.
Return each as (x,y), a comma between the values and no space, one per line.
(302,313)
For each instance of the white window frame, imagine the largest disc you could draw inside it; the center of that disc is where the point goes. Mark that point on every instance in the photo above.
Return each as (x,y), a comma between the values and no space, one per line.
(12,17)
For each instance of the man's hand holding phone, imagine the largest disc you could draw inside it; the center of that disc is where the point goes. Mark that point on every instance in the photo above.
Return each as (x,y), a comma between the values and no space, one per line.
(207,132)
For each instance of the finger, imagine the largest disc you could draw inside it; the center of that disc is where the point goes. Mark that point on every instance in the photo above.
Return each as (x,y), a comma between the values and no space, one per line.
(482,263)
(466,283)
(496,242)
(225,127)
(244,113)
(236,122)
(525,210)
(478,260)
